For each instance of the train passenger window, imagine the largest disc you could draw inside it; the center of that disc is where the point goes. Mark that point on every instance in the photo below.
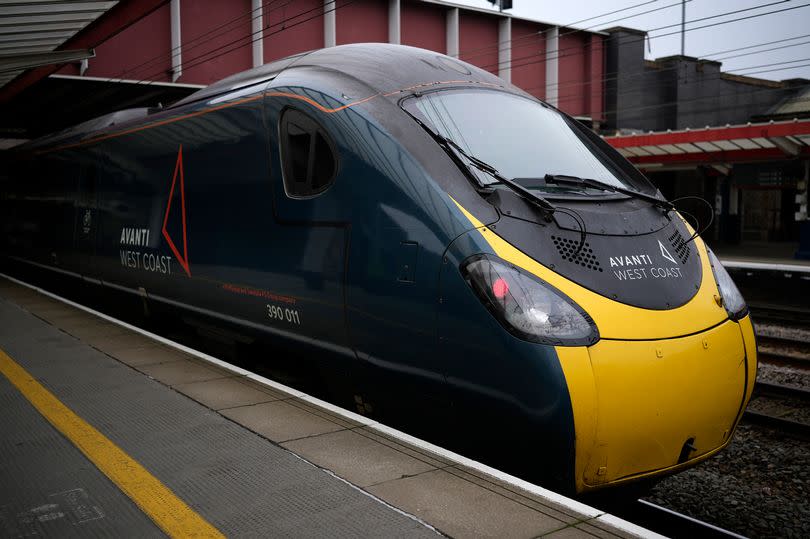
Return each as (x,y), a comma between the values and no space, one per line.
(308,160)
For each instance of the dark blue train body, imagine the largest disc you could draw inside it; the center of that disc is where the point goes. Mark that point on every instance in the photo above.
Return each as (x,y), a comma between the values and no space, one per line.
(307,203)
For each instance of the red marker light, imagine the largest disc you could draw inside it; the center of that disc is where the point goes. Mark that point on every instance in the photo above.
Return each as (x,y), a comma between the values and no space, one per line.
(500,288)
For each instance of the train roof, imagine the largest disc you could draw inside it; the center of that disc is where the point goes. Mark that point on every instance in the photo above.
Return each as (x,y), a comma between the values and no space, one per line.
(242,79)
(380,66)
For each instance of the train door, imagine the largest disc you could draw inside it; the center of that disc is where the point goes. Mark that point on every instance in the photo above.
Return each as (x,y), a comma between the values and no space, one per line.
(58,186)
(311,233)
(85,225)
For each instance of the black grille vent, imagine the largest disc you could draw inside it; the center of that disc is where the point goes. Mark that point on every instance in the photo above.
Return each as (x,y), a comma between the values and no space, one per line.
(585,258)
(681,247)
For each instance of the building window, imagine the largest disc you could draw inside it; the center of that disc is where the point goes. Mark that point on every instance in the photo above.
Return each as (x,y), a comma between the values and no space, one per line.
(308,158)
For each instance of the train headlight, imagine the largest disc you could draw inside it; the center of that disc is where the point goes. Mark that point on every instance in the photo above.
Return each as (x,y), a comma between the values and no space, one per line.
(527,306)
(732,299)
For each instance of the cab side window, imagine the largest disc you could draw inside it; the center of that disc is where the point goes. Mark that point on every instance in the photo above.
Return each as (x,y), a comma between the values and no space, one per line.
(308,158)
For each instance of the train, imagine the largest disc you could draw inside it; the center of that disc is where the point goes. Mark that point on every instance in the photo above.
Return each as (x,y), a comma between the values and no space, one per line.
(435,241)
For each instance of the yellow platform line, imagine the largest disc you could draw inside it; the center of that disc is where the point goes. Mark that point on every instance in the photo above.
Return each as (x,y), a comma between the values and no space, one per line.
(159,503)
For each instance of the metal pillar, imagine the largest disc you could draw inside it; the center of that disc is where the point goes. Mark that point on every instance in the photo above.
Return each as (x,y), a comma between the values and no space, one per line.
(552,65)
(394,22)
(683,27)
(177,56)
(257,32)
(452,32)
(329,20)
(803,191)
(505,49)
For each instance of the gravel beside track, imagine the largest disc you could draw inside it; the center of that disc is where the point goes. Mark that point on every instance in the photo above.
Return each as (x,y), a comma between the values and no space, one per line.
(758,487)
(800,334)
(783,375)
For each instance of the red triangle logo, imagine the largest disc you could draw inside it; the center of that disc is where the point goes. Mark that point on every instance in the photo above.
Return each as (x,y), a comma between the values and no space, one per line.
(178,172)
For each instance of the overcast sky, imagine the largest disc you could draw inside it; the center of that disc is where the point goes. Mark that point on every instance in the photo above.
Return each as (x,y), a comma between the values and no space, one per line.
(704,43)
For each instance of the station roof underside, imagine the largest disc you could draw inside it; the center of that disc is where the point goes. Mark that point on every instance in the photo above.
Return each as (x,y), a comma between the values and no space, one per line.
(60,101)
(37,37)
(771,141)
(32,33)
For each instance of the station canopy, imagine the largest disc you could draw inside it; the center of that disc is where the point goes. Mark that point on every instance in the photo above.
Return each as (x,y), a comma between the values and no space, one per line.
(38,37)
(716,146)
(33,32)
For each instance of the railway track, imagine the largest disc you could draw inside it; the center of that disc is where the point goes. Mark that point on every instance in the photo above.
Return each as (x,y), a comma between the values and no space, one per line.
(783,344)
(782,391)
(767,312)
(779,359)
(783,339)
(770,340)
(670,523)
(775,413)
(776,355)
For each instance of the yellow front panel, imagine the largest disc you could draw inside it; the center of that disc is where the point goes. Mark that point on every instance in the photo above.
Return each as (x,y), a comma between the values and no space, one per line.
(651,396)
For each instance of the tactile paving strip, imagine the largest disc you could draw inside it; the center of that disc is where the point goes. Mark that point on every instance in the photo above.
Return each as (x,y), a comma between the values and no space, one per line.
(47,487)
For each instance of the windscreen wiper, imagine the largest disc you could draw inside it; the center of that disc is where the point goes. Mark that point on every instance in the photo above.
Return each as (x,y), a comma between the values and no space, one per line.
(563,179)
(485,167)
(548,208)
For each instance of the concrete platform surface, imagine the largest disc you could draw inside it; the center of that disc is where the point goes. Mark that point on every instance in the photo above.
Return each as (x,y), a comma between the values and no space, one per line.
(776,256)
(243,454)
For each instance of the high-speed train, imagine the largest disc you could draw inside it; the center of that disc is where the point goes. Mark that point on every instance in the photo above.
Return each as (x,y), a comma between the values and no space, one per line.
(434,238)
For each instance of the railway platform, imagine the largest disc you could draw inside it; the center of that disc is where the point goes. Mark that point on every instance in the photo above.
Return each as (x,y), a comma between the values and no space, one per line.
(762,256)
(109,430)
(772,282)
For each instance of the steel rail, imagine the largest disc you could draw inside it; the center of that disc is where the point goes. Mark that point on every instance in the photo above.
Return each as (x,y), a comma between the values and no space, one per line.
(776,340)
(781,350)
(794,429)
(773,358)
(789,427)
(781,313)
(780,391)
(671,523)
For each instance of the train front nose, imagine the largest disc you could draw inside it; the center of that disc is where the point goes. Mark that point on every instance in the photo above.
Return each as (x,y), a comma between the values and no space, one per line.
(652,338)
(645,407)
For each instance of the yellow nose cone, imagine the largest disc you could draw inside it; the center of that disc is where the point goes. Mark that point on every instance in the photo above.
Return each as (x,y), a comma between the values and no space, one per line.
(637,404)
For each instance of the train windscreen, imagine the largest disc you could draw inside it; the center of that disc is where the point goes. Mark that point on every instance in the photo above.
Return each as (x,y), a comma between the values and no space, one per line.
(521,138)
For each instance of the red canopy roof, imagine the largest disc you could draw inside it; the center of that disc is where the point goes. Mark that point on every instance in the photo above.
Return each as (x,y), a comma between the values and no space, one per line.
(717,145)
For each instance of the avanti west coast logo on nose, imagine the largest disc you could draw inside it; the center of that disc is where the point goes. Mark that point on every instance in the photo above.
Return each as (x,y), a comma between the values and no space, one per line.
(665,253)
(642,266)
(174,228)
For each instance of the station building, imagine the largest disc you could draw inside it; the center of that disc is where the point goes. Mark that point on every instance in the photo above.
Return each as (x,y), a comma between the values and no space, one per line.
(740,142)
(163,50)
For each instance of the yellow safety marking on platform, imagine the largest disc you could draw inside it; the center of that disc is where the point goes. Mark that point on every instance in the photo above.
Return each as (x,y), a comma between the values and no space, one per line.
(154,498)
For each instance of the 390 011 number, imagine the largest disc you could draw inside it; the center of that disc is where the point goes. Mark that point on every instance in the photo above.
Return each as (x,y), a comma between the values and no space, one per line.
(283,314)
